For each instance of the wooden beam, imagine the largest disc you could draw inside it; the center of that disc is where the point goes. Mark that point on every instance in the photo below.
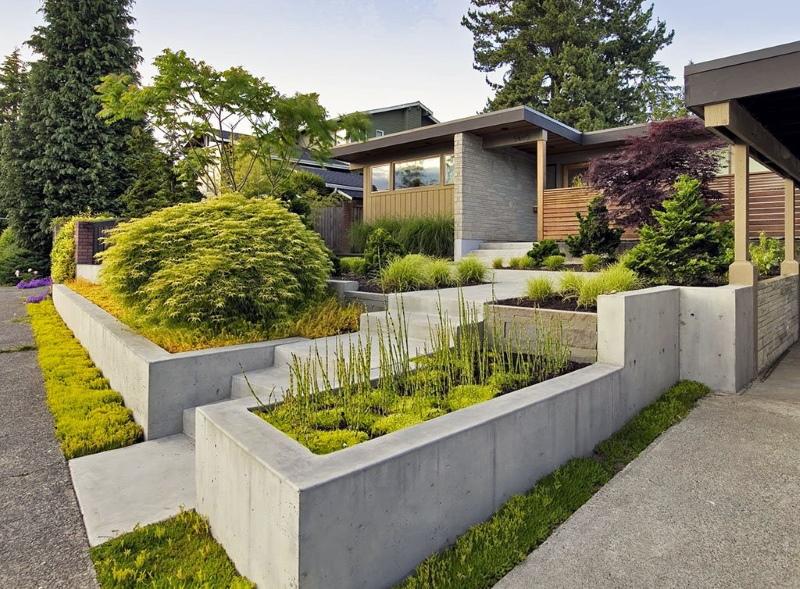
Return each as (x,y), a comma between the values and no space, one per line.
(541,174)
(734,121)
(515,138)
(741,271)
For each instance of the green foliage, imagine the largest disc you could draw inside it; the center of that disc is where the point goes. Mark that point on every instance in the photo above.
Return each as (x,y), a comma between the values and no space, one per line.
(539,289)
(486,552)
(616,278)
(177,552)
(353,266)
(469,394)
(224,101)
(571,283)
(326,318)
(685,246)
(89,417)
(590,65)
(65,160)
(430,236)
(521,263)
(767,254)
(497,264)
(62,256)
(16,257)
(13,79)
(595,235)
(591,262)
(554,262)
(542,249)
(440,273)
(325,442)
(406,273)
(381,249)
(224,263)
(470,270)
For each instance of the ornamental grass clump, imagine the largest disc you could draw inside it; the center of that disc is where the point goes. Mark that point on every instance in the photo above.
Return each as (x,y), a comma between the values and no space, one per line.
(521,263)
(539,289)
(226,263)
(470,270)
(353,266)
(616,278)
(570,286)
(405,274)
(591,262)
(554,263)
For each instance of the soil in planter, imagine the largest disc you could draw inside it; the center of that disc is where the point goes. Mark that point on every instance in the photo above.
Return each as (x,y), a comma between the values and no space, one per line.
(367,285)
(555,302)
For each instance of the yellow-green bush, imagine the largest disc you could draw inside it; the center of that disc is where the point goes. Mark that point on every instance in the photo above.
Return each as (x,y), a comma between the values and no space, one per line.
(89,416)
(223,262)
(62,256)
(539,289)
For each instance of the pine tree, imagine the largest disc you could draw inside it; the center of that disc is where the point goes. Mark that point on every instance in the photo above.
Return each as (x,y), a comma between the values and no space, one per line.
(68,160)
(588,63)
(13,74)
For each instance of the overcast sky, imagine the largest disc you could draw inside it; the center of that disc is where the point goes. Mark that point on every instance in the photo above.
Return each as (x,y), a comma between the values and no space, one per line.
(362,54)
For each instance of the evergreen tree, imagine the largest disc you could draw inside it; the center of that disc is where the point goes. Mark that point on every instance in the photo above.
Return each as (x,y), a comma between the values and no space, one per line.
(12,84)
(588,63)
(67,160)
(595,234)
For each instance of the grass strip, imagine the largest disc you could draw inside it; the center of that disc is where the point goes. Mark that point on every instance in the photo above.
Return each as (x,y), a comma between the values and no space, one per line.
(22,348)
(178,552)
(488,551)
(89,416)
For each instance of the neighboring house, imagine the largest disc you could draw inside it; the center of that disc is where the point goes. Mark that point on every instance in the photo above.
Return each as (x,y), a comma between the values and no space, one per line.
(507,176)
(393,119)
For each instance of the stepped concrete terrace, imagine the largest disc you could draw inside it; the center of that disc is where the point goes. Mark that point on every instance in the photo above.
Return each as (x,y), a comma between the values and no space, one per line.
(162,471)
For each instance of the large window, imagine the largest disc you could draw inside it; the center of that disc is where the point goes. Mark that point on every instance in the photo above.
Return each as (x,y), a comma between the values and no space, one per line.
(380,177)
(417,173)
(449,161)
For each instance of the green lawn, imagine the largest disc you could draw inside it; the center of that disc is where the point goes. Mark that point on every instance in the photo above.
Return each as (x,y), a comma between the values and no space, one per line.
(486,552)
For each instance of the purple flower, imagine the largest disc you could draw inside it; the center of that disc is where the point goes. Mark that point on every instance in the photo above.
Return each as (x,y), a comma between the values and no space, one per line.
(35,282)
(38,298)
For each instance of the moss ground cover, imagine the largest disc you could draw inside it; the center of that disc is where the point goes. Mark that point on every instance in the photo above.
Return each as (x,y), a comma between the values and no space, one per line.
(325,318)
(89,416)
(486,552)
(178,552)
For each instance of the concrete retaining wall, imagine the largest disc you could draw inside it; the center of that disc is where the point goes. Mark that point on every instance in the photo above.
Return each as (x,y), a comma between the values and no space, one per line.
(778,308)
(156,385)
(367,515)
(511,325)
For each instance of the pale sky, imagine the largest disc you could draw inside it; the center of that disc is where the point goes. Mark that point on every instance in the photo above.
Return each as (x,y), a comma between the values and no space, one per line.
(362,54)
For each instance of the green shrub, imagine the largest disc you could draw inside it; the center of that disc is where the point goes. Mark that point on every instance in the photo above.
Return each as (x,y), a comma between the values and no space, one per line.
(353,266)
(616,278)
(497,263)
(554,262)
(520,263)
(431,236)
(470,270)
(407,273)
(14,257)
(591,262)
(685,246)
(177,552)
(539,289)
(381,249)
(325,442)
(767,254)
(89,417)
(440,273)
(225,262)
(62,256)
(595,235)
(542,249)
(571,283)
(469,394)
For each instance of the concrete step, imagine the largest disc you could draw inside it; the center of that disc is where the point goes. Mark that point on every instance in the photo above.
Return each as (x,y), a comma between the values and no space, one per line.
(189,418)
(505,245)
(267,383)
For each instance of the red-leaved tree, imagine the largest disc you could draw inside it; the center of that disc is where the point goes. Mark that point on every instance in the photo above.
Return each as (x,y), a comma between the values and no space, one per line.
(636,179)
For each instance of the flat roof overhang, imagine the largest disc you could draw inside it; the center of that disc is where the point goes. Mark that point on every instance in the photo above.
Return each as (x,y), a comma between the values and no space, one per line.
(753,98)
(519,127)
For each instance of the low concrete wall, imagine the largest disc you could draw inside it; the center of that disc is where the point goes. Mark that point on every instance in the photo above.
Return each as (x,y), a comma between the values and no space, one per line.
(778,308)
(717,336)
(90,272)
(156,385)
(372,301)
(367,515)
(506,324)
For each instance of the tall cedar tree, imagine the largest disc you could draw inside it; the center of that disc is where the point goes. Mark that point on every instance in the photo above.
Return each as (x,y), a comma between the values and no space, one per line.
(13,75)
(588,63)
(68,160)
(636,179)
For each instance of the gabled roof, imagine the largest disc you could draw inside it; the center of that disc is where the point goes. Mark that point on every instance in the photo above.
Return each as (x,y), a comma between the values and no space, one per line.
(424,108)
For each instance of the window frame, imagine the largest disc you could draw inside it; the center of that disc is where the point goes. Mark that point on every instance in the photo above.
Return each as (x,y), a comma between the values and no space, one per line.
(392,163)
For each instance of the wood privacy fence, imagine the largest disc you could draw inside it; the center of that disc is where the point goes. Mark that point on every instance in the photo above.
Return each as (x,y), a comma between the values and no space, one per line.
(334,223)
(765,211)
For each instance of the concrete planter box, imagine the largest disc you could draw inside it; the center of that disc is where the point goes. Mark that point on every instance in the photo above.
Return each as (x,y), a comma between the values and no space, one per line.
(367,515)
(506,323)
(347,291)
(156,385)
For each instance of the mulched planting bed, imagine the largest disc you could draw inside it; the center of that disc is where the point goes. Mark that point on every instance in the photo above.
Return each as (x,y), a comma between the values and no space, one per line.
(555,303)
(366,285)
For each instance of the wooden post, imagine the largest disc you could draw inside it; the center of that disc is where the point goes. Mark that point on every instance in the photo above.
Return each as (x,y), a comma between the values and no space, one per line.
(541,173)
(789,265)
(741,271)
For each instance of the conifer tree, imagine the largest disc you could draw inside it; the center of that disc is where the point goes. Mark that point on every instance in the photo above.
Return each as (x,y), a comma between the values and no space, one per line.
(588,63)
(13,75)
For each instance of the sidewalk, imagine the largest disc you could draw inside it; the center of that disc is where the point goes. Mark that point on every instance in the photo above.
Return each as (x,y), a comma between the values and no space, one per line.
(715,502)
(42,539)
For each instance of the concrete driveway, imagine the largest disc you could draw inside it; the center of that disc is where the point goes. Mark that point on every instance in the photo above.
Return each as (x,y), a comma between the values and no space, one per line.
(714,502)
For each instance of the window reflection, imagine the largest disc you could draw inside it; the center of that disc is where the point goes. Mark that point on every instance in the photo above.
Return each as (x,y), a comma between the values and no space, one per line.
(416,173)
(380,178)
(449,162)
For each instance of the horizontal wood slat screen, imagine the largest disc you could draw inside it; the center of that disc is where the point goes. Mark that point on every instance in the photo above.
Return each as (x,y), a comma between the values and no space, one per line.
(765,214)
(429,201)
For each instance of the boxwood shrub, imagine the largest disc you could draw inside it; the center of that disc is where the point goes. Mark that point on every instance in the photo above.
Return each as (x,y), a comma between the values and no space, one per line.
(224,263)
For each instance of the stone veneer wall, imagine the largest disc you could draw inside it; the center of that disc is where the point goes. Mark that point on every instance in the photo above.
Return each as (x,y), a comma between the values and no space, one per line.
(778,310)
(494,194)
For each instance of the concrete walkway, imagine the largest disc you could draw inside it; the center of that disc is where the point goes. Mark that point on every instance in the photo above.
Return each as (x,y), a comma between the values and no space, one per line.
(42,539)
(714,502)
